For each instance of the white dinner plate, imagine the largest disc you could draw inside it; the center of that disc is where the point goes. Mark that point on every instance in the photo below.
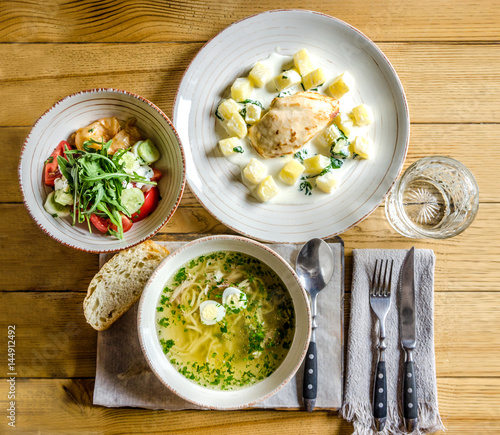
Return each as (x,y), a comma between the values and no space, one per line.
(339,47)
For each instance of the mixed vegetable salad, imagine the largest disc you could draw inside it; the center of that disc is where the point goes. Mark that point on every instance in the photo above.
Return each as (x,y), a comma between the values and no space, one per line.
(102,182)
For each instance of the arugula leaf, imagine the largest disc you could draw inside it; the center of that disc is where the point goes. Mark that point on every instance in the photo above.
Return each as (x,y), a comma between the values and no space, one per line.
(96,181)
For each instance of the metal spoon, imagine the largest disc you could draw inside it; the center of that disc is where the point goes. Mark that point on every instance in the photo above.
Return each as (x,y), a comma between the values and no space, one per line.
(314,267)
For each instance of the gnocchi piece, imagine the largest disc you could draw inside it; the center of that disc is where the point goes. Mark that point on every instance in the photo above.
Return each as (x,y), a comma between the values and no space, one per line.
(267,189)
(330,134)
(362,146)
(255,171)
(237,126)
(260,74)
(228,108)
(344,122)
(313,79)
(241,89)
(314,165)
(228,145)
(287,79)
(290,173)
(341,149)
(341,85)
(303,62)
(327,182)
(253,113)
(362,115)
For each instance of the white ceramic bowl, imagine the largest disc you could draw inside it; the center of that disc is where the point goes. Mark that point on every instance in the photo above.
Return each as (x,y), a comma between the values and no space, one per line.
(188,389)
(74,112)
(338,47)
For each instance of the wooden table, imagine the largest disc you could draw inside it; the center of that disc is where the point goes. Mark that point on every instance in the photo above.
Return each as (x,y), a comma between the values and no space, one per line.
(448,58)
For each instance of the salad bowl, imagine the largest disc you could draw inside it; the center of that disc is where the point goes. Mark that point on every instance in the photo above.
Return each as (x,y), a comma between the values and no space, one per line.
(74,112)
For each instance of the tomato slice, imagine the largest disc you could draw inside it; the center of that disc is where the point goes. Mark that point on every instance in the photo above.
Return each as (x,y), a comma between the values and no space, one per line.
(103,224)
(51,170)
(151,198)
(156,175)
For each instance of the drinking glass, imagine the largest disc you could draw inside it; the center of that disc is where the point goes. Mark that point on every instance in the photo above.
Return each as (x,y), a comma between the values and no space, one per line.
(436,197)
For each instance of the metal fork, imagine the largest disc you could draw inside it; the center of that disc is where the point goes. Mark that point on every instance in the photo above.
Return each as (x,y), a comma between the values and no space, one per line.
(380,301)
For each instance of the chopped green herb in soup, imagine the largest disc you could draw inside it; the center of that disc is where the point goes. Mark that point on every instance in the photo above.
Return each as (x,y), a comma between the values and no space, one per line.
(225,320)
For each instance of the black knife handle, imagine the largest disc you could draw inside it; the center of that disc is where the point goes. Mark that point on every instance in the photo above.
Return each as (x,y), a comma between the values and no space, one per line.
(380,396)
(410,401)
(310,377)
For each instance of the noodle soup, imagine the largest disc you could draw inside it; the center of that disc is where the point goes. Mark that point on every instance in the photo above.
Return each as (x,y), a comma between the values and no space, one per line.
(225,320)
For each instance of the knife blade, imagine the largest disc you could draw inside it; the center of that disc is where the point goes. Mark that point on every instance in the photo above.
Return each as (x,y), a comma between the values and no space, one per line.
(408,339)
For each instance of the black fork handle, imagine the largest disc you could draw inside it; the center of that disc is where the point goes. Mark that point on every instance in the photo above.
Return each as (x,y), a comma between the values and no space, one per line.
(380,396)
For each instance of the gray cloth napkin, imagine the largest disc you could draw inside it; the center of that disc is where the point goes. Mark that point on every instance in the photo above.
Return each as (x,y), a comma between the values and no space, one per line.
(362,351)
(123,377)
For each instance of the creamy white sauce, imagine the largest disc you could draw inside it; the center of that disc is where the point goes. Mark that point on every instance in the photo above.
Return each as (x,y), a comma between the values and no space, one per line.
(290,194)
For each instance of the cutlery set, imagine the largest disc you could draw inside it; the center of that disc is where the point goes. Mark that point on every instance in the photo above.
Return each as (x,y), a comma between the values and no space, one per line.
(380,302)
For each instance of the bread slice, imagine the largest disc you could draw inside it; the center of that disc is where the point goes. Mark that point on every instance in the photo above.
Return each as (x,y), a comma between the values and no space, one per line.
(119,284)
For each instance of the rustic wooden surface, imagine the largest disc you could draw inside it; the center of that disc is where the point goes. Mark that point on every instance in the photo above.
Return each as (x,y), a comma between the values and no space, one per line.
(447,55)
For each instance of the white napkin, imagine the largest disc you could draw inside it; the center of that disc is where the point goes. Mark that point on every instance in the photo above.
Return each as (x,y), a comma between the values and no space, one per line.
(362,351)
(123,377)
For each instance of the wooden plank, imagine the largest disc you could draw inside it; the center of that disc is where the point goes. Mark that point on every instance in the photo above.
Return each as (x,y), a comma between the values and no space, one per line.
(466,338)
(197,21)
(32,260)
(54,340)
(467,262)
(425,139)
(54,405)
(445,83)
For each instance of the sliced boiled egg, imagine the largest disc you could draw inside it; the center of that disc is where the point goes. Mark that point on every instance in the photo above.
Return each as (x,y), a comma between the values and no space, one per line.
(211,312)
(234,298)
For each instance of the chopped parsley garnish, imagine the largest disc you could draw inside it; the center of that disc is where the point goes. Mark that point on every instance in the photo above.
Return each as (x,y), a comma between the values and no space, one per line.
(238,149)
(300,155)
(285,93)
(305,186)
(256,102)
(166,345)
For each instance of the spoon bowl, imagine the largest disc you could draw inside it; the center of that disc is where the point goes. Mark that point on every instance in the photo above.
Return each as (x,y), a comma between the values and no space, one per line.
(315,265)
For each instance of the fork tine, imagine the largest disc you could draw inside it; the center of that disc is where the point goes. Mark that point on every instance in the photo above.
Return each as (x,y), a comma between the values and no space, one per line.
(383,280)
(389,285)
(373,290)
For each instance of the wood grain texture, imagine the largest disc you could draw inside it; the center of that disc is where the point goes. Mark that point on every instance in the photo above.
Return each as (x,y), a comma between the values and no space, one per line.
(466,339)
(447,55)
(444,83)
(468,262)
(155,21)
(475,145)
(54,405)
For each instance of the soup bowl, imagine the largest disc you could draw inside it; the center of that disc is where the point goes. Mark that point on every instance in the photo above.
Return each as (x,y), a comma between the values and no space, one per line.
(190,390)
(76,111)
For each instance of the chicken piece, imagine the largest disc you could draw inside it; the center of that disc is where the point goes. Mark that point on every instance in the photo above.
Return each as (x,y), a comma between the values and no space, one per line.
(126,137)
(291,122)
(101,130)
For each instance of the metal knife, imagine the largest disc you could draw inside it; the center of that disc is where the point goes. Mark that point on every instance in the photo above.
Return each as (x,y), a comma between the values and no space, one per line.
(408,340)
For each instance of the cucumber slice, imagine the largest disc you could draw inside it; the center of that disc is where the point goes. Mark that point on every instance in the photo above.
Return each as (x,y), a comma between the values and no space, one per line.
(55,209)
(135,147)
(148,152)
(130,162)
(63,198)
(132,199)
